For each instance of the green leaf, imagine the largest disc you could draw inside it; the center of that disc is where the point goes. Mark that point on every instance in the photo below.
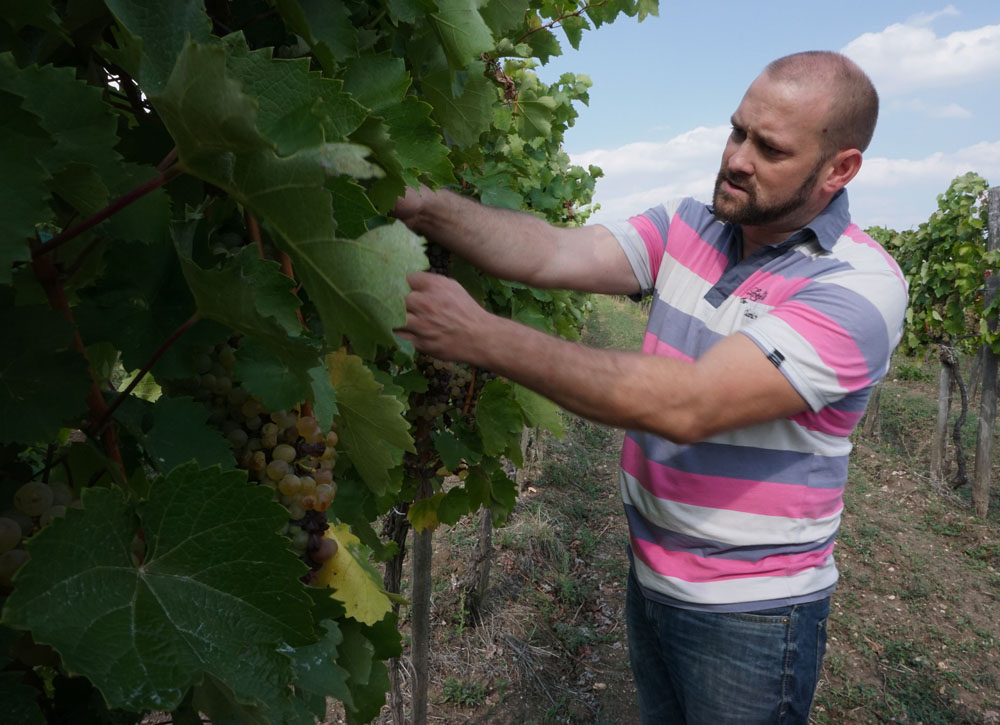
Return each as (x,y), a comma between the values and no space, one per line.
(357,286)
(455,504)
(43,381)
(378,81)
(317,671)
(325,26)
(279,384)
(409,11)
(498,418)
(453,450)
(503,15)
(20,701)
(369,678)
(539,412)
(465,114)
(423,513)
(323,397)
(462,31)
(217,591)
(574,26)
(535,120)
(543,44)
(351,206)
(162,29)
(418,142)
(23,194)
(371,426)
(179,434)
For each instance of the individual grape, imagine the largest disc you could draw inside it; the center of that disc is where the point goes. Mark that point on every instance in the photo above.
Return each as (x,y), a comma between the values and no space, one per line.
(300,538)
(46,518)
(268,440)
(277,469)
(62,494)
(202,363)
(253,422)
(237,438)
(296,511)
(306,425)
(227,356)
(290,484)
(270,428)
(208,381)
(284,452)
(326,550)
(34,498)
(252,407)
(307,485)
(308,502)
(10,534)
(332,438)
(323,477)
(10,562)
(258,462)
(223,384)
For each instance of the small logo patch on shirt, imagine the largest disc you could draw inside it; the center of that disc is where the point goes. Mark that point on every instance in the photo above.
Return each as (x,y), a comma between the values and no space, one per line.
(776,358)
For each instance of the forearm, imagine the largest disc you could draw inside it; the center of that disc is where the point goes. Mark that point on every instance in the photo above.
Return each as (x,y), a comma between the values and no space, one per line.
(622,389)
(504,243)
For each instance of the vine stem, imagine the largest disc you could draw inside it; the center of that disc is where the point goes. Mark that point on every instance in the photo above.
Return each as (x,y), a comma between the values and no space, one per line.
(553,23)
(96,218)
(106,419)
(48,276)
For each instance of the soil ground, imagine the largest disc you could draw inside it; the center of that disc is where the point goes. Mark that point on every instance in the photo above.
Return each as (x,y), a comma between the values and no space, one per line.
(914,635)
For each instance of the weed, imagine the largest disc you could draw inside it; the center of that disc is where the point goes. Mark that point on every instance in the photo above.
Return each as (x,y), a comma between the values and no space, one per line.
(464,693)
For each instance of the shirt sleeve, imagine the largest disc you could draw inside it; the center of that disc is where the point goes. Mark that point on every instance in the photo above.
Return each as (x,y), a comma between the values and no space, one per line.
(643,238)
(835,336)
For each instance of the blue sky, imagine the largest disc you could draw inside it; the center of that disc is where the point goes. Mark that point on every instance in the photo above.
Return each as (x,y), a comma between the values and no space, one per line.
(664,90)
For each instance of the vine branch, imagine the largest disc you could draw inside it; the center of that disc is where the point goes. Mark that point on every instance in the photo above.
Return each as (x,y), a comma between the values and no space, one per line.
(551,24)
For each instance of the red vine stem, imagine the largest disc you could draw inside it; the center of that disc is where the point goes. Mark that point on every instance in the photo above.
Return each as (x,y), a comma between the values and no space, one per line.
(48,277)
(552,23)
(105,421)
(94,219)
(468,396)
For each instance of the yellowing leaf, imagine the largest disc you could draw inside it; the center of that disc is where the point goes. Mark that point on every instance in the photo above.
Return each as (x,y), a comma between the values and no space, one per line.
(352,577)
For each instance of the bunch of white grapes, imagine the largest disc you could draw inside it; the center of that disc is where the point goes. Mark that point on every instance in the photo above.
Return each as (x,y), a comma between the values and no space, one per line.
(36,505)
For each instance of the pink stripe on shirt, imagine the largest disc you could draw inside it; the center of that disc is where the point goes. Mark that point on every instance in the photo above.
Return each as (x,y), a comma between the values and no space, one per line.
(693,568)
(651,237)
(687,247)
(652,345)
(829,420)
(777,288)
(834,345)
(732,494)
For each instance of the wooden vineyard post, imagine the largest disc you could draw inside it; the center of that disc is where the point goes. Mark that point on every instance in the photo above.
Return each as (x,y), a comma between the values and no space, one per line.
(988,404)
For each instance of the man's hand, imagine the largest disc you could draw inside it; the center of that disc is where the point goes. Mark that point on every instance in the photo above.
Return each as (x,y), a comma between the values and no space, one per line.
(442,320)
(408,206)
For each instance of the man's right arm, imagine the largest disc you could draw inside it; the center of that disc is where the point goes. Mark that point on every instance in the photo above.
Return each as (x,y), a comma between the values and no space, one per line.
(519,247)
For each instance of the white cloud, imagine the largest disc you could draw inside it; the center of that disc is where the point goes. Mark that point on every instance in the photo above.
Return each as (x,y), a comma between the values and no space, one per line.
(906,56)
(928,18)
(898,193)
(950,110)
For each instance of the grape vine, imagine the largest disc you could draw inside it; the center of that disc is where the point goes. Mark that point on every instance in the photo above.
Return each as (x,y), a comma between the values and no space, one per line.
(205,410)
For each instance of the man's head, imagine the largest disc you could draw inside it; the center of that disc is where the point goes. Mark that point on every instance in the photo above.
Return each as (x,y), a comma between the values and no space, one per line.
(797,138)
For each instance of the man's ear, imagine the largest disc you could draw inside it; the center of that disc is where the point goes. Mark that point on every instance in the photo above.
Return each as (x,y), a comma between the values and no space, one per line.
(842,167)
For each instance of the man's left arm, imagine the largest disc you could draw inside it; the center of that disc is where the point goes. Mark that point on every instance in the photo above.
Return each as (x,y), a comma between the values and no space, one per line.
(731,386)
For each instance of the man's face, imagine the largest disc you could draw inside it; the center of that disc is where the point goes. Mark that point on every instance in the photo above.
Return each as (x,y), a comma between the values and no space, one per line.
(773,160)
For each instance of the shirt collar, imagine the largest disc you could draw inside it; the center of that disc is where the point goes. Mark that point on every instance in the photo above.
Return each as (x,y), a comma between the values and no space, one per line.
(830,223)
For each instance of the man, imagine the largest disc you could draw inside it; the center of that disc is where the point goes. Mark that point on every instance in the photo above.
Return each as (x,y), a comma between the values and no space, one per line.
(773,317)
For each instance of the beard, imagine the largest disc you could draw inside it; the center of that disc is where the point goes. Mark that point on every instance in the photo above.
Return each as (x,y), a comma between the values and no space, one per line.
(750,212)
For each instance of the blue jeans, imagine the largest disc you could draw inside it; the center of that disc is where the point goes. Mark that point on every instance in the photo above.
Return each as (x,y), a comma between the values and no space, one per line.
(713,668)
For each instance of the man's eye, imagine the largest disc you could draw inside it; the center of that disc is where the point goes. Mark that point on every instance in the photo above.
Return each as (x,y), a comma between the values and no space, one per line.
(738,133)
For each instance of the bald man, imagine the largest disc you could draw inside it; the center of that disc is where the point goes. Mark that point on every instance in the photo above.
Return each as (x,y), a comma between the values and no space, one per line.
(773,317)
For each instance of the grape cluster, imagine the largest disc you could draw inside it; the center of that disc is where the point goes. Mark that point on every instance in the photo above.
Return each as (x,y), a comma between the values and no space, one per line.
(439,258)
(452,389)
(285,450)
(36,505)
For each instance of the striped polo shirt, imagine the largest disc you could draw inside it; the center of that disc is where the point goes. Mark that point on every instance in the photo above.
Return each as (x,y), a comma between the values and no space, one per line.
(746,520)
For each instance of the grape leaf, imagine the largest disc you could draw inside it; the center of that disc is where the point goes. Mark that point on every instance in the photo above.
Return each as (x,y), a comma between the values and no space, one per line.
(455,504)
(418,143)
(179,434)
(217,591)
(423,513)
(354,580)
(499,420)
(543,44)
(43,382)
(162,29)
(465,115)
(378,81)
(323,397)
(351,207)
(20,701)
(453,450)
(278,385)
(317,671)
(574,26)
(410,11)
(536,114)
(371,426)
(462,30)
(503,15)
(539,412)
(369,678)
(357,286)
(325,26)
(23,194)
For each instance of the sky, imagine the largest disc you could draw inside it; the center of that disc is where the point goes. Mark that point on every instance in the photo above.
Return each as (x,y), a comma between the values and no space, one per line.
(664,91)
